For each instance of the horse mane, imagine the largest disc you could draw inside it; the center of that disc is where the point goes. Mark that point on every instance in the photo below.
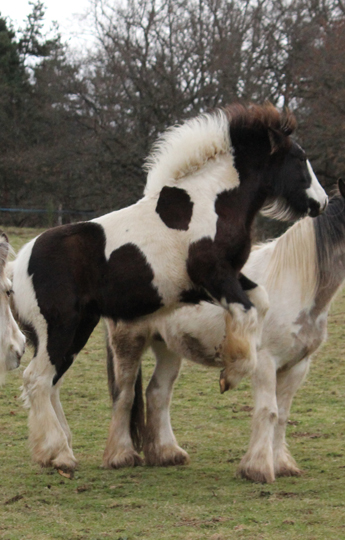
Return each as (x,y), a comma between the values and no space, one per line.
(185,148)
(260,118)
(295,253)
(330,235)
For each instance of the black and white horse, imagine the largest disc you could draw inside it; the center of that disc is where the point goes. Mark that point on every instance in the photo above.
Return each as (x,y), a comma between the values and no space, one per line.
(12,341)
(301,271)
(186,239)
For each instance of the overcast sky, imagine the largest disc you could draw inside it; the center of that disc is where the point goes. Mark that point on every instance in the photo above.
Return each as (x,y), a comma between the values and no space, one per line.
(69,14)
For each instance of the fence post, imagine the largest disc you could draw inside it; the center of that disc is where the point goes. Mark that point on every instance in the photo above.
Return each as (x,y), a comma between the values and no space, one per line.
(60,214)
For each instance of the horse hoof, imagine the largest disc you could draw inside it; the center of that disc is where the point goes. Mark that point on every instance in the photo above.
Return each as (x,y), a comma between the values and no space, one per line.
(165,456)
(289,471)
(66,464)
(225,382)
(255,475)
(223,385)
(121,460)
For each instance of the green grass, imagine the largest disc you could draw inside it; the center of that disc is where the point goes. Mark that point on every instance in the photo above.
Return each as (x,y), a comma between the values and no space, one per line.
(203,500)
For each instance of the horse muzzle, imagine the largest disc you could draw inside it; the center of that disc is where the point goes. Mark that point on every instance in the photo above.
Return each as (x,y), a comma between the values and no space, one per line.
(315,208)
(14,357)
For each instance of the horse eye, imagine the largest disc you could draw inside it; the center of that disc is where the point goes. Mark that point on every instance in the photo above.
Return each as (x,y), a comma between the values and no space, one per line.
(9,292)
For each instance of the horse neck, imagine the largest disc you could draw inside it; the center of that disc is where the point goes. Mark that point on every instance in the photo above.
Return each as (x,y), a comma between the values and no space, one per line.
(253,188)
(251,196)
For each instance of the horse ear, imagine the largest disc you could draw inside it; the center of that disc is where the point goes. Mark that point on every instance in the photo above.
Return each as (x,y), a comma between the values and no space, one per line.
(4,249)
(276,140)
(341,186)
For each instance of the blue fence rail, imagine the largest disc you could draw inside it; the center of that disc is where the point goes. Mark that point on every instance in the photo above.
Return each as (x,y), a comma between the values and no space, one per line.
(41,211)
(55,216)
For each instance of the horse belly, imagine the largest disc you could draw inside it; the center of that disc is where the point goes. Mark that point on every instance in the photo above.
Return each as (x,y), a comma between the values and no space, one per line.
(195,333)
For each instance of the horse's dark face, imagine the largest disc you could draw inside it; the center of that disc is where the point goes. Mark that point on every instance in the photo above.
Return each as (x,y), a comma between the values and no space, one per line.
(293,186)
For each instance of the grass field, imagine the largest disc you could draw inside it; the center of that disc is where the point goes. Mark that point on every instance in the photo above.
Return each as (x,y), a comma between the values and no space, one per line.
(203,500)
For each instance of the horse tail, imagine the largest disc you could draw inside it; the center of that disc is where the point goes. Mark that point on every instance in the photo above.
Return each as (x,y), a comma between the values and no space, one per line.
(137,424)
(137,421)
(111,374)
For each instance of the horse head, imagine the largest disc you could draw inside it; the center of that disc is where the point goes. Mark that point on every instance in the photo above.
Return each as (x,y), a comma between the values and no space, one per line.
(260,135)
(12,341)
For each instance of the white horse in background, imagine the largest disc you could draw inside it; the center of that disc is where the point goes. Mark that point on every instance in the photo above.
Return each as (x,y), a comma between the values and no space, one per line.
(301,271)
(12,341)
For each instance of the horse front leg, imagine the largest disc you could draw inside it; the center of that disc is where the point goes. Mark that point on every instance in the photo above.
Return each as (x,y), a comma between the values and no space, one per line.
(125,348)
(50,445)
(55,401)
(288,383)
(160,445)
(257,464)
(247,308)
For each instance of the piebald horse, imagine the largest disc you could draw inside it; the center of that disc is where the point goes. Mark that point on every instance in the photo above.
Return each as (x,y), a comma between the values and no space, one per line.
(12,341)
(302,272)
(185,240)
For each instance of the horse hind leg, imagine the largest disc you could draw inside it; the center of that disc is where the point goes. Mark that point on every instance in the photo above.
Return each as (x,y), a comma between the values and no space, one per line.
(49,434)
(160,445)
(125,347)
(48,441)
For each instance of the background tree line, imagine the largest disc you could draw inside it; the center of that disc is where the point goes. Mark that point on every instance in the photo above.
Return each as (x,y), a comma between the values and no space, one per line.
(76,132)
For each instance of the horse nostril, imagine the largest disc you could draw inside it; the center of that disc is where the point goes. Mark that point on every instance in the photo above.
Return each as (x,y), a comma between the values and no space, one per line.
(314,208)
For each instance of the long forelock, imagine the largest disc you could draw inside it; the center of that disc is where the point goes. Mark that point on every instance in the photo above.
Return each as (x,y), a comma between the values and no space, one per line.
(295,253)
(186,148)
(260,118)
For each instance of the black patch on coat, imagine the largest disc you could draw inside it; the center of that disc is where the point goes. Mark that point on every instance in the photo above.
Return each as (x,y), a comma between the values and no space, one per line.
(128,291)
(234,224)
(215,274)
(194,296)
(175,208)
(75,285)
(30,335)
(157,337)
(246,283)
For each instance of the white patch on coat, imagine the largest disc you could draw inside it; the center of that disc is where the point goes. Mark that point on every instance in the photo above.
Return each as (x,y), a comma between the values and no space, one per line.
(316,191)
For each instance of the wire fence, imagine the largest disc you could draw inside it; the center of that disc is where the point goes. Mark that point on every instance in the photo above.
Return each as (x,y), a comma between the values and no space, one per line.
(42,216)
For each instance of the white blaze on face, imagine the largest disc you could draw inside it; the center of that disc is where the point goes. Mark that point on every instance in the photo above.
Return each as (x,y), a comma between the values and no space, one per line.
(316,191)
